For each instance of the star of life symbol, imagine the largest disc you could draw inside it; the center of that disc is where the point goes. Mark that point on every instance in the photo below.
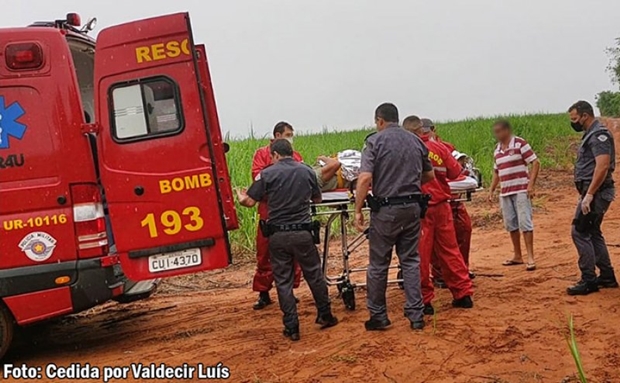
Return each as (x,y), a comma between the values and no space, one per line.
(9,127)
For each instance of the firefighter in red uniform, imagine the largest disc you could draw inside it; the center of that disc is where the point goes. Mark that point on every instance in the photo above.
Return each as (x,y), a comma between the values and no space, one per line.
(263,278)
(427,123)
(462,221)
(438,233)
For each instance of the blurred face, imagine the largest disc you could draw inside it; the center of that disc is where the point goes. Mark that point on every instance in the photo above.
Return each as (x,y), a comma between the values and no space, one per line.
(287,135)
(433,133)
(502,134)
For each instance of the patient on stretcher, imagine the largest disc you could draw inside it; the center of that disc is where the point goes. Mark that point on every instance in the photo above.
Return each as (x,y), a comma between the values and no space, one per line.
(329,174)
(338,172)
(336,175)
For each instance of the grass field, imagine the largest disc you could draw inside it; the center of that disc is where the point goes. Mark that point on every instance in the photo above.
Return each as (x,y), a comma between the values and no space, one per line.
(550,135)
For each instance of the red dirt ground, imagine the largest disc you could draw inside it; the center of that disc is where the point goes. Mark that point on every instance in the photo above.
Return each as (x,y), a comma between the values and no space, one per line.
(515,333)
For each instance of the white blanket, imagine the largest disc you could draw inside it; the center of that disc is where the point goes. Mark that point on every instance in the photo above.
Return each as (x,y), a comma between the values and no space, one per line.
(467,184)
(336,195)
(461,186)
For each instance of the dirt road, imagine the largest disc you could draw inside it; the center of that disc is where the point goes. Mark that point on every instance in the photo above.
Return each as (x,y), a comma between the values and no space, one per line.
(516,332)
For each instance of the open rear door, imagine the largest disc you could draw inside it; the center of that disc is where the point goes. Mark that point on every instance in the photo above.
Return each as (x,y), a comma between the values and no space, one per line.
(158,161)
(213,122)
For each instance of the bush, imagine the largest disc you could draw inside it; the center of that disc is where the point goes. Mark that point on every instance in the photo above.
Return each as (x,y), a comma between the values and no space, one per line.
(609,103)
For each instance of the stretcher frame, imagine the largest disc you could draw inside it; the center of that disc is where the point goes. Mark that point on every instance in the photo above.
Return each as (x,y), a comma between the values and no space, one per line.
(340,210)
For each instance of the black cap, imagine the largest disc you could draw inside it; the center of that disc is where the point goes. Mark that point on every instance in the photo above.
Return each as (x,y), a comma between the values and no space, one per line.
(427,124)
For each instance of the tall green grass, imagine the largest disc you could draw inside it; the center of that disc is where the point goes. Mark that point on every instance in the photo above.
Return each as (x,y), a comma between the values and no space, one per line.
(549,134)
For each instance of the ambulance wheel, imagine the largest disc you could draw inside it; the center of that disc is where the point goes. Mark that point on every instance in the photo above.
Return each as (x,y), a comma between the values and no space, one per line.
(399,275)
(348,297)
(7,328)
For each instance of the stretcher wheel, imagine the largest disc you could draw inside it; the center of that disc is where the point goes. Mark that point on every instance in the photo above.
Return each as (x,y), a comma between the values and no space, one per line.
(399,275)
(340,284)
(348,297)
(7,328)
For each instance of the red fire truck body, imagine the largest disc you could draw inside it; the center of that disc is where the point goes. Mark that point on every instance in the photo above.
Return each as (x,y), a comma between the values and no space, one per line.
(112,166)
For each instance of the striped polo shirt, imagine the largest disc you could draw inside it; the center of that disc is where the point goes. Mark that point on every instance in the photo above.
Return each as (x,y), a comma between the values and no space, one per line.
(511,166)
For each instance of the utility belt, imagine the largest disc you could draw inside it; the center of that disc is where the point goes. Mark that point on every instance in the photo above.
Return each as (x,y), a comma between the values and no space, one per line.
(314,227)
(376,203)
(582,186)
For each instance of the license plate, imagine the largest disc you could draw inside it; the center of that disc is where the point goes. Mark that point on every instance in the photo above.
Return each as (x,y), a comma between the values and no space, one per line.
(177,260)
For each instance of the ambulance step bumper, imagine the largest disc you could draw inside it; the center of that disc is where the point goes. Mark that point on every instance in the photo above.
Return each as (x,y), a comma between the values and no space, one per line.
(135,291)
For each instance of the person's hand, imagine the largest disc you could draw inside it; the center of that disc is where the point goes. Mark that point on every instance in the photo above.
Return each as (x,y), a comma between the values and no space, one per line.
(359,221)
(585,203)
(241,194)
(531,193)
(491,196)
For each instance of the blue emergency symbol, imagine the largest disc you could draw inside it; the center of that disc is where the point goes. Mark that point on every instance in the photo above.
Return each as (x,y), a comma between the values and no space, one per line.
(9,127)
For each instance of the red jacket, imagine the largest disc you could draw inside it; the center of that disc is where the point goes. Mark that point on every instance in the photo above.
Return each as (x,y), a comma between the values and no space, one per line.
(446,168)
(262,159)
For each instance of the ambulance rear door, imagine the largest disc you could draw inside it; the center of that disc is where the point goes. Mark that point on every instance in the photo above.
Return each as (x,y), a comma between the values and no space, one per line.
(157,159)
(213,123)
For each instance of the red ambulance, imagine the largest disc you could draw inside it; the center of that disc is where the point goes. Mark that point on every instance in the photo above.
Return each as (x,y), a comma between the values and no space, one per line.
(112,166)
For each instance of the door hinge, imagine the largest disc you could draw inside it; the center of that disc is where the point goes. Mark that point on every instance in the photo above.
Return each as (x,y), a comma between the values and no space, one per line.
(91,128)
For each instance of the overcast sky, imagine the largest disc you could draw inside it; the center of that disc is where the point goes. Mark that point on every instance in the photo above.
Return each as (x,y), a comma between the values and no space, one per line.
(329,63)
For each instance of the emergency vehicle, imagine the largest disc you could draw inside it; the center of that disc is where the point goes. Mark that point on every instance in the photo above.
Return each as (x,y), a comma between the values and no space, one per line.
(112,166)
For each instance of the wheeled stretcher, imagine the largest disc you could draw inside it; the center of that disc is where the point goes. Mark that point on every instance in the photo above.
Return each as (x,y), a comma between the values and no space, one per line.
(338,206)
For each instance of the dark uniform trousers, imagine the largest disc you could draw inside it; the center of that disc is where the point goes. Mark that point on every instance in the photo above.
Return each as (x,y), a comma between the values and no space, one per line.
(285,248)
(591,245)
(394,226)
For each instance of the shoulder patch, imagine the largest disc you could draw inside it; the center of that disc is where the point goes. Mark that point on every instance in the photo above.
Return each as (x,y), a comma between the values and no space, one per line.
(602,137)
(370,135)
(257,177)
(366,140)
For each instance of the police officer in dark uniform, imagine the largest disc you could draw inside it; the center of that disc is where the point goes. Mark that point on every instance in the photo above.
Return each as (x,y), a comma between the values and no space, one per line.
(396,163)
(593,179)
(289,187)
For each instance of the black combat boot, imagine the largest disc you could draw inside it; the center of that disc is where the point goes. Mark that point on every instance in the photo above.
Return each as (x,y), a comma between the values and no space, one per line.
(292,333)
(429,309)
(377,325)
(326,320)
(263,301)
(418,325)
(583,288)
(607,282)
(463,303)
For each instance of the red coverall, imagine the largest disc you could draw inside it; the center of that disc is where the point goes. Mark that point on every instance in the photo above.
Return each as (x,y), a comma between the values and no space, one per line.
(462,225)
(463,229)
(263,277)
(438,233)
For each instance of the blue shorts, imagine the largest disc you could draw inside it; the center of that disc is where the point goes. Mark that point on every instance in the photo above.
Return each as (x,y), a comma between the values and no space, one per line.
(517,212)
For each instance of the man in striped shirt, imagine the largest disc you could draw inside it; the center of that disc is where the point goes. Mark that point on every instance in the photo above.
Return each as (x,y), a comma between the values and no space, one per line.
(513,155)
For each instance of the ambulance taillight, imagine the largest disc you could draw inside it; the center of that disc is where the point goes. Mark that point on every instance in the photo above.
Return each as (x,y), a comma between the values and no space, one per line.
(23,56)
(89,218)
